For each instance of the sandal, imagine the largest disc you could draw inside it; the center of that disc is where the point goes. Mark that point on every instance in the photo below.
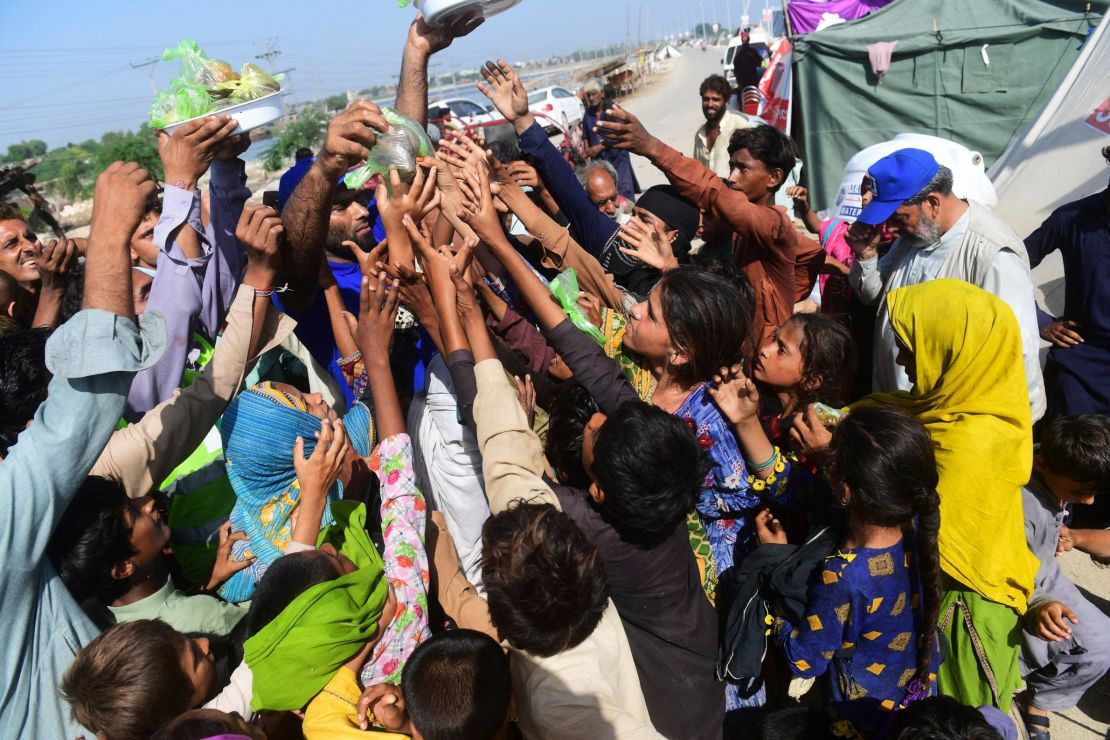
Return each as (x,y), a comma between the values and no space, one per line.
(1036,726)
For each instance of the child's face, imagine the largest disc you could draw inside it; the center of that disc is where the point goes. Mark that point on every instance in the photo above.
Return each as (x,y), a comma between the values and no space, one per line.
(149,532)
(196,659)
(1066,490)
(779,362)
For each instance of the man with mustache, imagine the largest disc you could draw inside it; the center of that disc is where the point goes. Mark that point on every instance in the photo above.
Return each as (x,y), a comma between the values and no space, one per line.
(711,140)
(939,235)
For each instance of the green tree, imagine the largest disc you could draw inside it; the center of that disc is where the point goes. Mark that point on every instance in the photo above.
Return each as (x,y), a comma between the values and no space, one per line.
(336,102)
(129,146)
(25,150)
(307,130)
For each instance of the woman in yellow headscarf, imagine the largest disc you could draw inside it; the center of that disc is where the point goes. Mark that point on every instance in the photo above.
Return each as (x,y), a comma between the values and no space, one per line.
(961,347)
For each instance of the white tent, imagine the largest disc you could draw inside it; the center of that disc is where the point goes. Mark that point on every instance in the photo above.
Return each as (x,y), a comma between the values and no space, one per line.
(668,52)
(1058,160)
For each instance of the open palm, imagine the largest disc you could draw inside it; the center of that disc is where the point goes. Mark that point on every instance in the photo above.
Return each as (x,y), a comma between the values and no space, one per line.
(504,89)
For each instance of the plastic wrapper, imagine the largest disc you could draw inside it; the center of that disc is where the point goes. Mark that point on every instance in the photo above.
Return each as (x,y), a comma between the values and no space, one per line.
(565,289)
(252,83)
(828,415)
(196,67)
(397,149)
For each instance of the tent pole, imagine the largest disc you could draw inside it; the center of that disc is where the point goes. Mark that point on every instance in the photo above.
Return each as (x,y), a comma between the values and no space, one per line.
(786,19)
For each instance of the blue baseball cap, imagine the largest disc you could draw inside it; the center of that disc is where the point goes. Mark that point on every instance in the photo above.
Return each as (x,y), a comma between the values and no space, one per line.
(895,179)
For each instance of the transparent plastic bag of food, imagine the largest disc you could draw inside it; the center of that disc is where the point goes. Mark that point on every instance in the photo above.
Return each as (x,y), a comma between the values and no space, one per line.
(180,102)
(397,149)
(196,67)
(565,289)
(252,83)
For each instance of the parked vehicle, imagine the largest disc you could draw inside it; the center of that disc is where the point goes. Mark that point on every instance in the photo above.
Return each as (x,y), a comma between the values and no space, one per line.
(467,112)
(556,107)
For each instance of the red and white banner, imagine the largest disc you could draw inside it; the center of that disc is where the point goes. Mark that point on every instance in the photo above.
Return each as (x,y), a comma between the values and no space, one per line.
(1100,117)
(775,87)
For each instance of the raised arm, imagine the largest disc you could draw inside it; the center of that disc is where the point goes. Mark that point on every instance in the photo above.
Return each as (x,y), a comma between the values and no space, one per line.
(306,216)
(423,41)
(504,88)
(229,193)
(141,455)
(93,358)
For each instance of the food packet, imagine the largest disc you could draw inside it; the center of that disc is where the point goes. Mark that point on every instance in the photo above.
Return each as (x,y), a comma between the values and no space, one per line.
(565,289)
(196,67)
(397,149)
(251,83)
(182,101)
(828,415)
(163,111)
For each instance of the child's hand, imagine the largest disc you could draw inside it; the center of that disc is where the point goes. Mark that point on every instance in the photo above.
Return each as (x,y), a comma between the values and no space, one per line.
(811,437)
(224,567)
(1052,622)
(384,705)
(377,316)
(735,395)
(768,529)
(526,392)
(319,472)
(1065,543)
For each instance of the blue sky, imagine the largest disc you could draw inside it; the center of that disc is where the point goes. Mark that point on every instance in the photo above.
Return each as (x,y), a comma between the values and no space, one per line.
(65,73)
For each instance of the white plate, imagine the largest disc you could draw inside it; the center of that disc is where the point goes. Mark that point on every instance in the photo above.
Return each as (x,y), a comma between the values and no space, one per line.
(444,12)
(250,115)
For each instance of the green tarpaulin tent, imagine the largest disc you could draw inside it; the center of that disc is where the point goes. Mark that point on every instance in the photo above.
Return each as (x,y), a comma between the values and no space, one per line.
(973,71)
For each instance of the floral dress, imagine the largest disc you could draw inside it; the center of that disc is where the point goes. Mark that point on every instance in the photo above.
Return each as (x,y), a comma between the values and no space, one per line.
(403,512)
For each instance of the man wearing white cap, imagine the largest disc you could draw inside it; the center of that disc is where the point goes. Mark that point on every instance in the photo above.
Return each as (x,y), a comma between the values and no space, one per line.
(939,236)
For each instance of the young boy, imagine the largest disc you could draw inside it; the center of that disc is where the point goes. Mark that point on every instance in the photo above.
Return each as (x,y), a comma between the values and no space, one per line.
(1066,646)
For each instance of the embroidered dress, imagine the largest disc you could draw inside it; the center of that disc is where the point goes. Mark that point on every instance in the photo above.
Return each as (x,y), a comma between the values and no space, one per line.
(861,621)
(403,513)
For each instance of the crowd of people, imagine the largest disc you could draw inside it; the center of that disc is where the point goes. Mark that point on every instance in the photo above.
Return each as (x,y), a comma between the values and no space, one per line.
(473,452)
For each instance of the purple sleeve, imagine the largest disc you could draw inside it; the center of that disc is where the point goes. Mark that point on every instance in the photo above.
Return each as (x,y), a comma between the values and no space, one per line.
(599,375)
(460,364)
(176,294)
(229,193)
(524,339)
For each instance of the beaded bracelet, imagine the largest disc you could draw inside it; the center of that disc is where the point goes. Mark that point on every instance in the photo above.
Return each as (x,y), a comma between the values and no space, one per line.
(766,463)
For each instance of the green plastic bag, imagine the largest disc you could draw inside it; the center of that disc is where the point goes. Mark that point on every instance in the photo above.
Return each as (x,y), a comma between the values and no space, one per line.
(397,149)
(196,67)
(252,83)
(565,289)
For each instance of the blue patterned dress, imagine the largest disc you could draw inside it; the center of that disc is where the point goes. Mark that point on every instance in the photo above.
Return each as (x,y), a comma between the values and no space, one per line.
(861,621)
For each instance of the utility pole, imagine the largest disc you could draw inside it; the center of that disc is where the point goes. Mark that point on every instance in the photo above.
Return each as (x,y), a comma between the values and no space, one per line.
(728,13)
(269,54)
(148,63)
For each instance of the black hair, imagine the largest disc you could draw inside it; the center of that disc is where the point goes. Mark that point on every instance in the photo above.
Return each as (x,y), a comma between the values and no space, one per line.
(570,410)
(75,292)
(650,468)
(285,580)
(92,536)
(941,183)
(794,723)
(457,686)
(1078,447)
(941,718)
(1106,153)
(717,84)
(302,153)
(545,583)
(23,381)
(828,356)
(197,724)
(885,459)
(707,320)
(767,144)
(505,150)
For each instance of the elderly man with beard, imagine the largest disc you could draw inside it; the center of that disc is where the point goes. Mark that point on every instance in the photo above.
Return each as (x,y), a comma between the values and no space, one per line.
(939,236)
(711,140)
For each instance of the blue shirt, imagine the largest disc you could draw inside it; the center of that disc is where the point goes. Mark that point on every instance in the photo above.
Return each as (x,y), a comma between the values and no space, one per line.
(93,357)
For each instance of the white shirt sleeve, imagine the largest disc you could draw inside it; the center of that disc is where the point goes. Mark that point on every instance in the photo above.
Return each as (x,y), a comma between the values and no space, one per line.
(1009,279)
(866,280)
(236,696)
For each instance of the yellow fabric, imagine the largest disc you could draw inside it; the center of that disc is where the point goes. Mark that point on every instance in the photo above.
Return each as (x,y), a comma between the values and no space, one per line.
(613,326)
(971,395)
(267,389)
(333,714)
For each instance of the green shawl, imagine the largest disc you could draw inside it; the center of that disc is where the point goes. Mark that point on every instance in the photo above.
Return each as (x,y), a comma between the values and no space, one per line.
(293,657)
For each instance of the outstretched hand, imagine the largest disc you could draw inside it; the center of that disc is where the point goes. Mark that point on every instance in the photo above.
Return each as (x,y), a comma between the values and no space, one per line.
(350,137)
(735,394)
(189,152)
(648,245)
(224,567)
(428,39)
(377,316)
(505,90)
(259,231)
(811,437)
(626,132)
(319,471)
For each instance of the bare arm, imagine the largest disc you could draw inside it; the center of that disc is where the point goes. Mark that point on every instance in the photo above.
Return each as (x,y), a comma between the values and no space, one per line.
(118,201)
(423,41)
(307,214)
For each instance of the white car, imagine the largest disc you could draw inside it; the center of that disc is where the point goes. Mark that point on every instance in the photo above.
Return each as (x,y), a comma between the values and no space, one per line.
(467,112)
(556,107)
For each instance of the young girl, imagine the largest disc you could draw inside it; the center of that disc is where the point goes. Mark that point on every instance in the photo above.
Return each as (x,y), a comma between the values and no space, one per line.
(870,616)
